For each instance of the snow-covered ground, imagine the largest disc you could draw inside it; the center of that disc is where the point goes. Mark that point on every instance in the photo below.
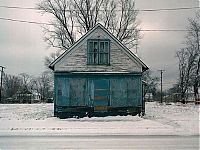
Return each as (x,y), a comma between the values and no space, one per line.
(160,119)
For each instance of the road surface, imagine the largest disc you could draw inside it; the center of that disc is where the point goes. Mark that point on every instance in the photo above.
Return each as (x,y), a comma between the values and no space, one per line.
(100,142)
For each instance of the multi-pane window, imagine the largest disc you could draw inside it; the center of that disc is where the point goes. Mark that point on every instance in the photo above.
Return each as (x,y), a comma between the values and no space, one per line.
(99,52)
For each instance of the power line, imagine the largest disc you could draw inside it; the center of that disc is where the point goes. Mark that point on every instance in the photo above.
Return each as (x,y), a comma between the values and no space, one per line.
(142,10)
(24,21)
(17,7)
(43,23)
(163,30)
(170,9)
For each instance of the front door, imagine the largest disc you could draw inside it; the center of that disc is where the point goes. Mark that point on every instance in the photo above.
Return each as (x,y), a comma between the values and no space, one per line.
(101,94)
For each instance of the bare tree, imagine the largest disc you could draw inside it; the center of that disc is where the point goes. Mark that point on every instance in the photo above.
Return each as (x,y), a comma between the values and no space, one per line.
(151,83)
(189,58)
(62,34)
(53,56)
(193,40)
(43,85)
(79,16)
(11,85)
(186,63)
(123,24)
(25,81)
(87,13)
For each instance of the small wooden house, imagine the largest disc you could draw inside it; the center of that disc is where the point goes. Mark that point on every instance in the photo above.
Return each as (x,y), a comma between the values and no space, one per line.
(98,76)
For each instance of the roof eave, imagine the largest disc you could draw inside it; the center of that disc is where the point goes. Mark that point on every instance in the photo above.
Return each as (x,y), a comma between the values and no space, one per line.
(51,67)
(145,68)
(76,43)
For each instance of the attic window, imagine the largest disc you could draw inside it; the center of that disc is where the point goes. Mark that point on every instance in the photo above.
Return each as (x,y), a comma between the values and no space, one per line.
(98,51)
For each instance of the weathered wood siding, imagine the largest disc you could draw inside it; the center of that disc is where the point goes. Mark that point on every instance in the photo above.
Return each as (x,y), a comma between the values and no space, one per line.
(120,91)
(76,60)
(77,94)
(70,91)
(126,91)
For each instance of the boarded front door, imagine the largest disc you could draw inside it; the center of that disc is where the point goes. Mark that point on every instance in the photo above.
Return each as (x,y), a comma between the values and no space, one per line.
(101,95)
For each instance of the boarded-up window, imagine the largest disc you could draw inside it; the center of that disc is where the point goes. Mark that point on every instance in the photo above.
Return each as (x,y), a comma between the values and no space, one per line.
(118,93)
(125,92)
(77,92)
(62,91)
(98,52)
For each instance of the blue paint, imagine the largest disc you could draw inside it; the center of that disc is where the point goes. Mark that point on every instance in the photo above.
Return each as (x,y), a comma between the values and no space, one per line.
(98,90)
(101,92)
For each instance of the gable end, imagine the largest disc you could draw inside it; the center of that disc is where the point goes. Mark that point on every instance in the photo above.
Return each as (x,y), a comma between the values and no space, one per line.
(87,35)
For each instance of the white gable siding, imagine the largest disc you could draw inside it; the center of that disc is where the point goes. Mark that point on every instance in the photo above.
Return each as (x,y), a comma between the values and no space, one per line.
(76,59)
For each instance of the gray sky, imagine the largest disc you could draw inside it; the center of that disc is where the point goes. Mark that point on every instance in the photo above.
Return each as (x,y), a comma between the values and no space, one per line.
(157,49)
(22,48)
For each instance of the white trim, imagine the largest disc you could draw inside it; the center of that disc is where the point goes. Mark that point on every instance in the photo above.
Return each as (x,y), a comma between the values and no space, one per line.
(87,34)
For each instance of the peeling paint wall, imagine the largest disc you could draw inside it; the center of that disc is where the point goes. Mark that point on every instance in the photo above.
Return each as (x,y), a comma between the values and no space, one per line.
(76,60)
(115,91)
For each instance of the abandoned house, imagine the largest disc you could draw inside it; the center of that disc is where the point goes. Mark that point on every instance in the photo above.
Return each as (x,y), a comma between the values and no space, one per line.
(98,76)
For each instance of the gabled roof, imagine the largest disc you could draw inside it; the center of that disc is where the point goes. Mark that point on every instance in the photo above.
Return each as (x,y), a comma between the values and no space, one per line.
(144,67)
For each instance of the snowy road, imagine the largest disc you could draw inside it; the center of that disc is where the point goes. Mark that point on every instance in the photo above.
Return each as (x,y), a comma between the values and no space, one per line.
(100,142)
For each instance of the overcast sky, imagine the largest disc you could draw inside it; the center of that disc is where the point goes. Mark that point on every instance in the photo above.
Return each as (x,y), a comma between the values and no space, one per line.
(22,48)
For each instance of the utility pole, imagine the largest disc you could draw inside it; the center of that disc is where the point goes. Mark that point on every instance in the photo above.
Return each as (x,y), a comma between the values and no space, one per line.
(161,84)
(1,80)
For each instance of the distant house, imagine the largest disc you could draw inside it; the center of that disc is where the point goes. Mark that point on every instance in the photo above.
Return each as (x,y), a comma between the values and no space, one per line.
(149,96)
(98,76)
(189,96)
(26,96)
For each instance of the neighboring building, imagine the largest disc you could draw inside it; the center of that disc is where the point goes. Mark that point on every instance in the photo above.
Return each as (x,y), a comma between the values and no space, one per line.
(148,97)
(98,76)
(189,96)
(26,96)
(36,97)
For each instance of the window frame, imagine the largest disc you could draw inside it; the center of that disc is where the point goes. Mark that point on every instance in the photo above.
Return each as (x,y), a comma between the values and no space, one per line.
(99,53)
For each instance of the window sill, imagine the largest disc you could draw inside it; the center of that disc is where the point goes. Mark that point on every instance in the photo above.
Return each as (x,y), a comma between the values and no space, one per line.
(98,64)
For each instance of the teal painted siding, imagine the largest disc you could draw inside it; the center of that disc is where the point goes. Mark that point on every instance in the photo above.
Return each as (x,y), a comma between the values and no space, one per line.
(70,91)
(126,91)
(77,92)
(62,91)
(98,90)
(118,92)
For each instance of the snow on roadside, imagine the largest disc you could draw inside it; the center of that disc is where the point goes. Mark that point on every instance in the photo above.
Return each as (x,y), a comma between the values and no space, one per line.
(160,119)
(183,117)
(26,111)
